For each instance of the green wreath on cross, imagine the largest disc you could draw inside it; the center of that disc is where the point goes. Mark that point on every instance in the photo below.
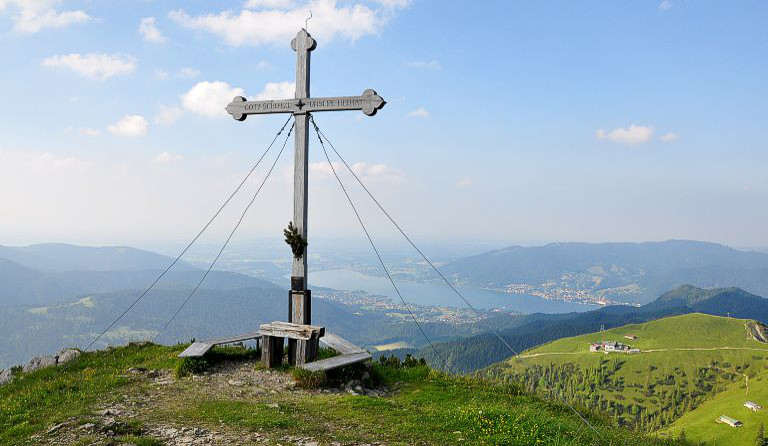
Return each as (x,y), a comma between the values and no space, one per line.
(297,242)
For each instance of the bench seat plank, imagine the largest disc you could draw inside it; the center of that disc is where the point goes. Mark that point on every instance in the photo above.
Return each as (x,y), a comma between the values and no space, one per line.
(340,344)
(336,361)
(200,348)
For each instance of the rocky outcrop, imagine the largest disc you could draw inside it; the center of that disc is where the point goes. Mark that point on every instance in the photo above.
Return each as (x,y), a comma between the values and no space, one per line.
(67,355)
(5,376)
(40,362)
(757,331)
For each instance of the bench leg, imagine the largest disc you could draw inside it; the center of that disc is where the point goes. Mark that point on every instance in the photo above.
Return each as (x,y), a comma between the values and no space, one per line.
(271,351)
(305,351)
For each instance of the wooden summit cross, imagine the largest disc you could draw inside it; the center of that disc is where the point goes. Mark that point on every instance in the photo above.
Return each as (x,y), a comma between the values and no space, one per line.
(300,308)
(303,338)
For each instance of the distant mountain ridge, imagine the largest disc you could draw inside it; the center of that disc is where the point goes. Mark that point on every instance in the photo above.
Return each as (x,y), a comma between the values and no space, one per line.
(629,272)
(54,273)
(479,351)
(58,257)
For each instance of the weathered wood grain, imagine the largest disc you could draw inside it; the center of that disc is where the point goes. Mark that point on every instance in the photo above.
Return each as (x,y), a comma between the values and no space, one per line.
(272,351)
(200,348)
(340,344)
(336,361)
(369,102)
(291,331)
(196,350)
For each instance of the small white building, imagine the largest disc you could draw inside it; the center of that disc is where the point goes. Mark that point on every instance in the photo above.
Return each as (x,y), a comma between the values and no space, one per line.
(595,347)
(729,421)
(754,407)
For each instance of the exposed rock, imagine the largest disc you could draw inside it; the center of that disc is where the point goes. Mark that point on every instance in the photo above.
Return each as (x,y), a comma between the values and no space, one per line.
(5,376)
(40,362)
(67,355)
(55,428)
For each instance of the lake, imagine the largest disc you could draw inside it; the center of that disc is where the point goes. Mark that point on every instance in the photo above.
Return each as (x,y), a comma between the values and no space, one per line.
(441,295)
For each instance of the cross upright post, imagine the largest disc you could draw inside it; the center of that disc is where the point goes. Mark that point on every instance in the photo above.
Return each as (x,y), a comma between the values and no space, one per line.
(300,311)
(300,298)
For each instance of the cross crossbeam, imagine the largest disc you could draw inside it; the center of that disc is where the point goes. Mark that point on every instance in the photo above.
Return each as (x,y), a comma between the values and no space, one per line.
(369,102)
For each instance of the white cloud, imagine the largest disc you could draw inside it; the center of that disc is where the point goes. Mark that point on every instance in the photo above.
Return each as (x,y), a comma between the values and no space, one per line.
(425,64)
(32,16)
(466,182)
(671,136)
(161,74)
(394,4)
(168,115)
(367,172)
(419,113)
(188,73)
(666,5)
(129,126)
(273,4)
(93,133)
(634,134)
(94,66)
(209,98)
(278,23)
(277,90)
(41,162)
(167,157)
(148,30)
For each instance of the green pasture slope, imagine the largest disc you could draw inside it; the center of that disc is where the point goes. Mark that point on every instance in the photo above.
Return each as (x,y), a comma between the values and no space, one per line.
(700,426)
(684,361)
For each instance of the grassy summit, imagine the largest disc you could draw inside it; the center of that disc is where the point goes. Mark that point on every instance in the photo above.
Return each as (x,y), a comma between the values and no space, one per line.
(129,395)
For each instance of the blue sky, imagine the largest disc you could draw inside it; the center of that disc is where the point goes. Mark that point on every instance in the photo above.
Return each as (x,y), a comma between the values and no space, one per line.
(510,120)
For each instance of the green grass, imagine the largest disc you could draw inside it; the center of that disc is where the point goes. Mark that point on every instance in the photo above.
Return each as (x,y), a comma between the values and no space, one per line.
(686,331)
(35,401)
(700,425)
(430,408)
(426,408)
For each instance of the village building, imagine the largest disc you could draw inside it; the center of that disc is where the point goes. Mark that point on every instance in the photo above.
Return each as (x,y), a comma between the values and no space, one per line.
(754,407)
(612,346)
(729,421)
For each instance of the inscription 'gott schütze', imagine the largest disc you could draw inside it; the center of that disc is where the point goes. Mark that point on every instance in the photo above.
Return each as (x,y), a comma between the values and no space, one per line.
(284,105)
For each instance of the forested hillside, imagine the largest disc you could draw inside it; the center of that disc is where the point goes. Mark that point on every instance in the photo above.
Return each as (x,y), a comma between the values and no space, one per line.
(679,363)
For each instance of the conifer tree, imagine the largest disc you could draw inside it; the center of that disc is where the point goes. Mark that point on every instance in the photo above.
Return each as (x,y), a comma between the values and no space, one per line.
(760,439)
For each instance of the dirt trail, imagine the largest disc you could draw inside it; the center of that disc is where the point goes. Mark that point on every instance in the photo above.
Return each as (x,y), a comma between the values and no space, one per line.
(534,355)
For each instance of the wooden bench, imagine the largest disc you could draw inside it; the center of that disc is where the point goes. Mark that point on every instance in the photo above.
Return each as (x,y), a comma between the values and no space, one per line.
(304,352)
(303,343)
